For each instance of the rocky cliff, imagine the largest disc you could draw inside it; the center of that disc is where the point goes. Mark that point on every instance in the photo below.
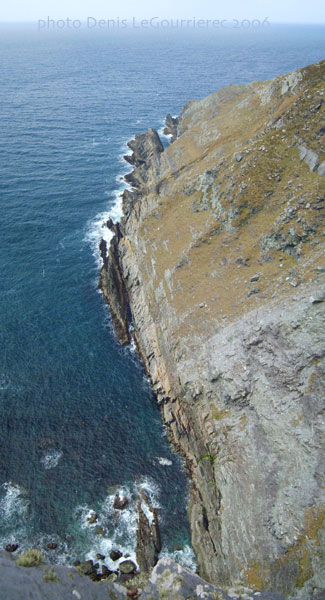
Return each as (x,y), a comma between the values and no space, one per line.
(167,581)
(221,252)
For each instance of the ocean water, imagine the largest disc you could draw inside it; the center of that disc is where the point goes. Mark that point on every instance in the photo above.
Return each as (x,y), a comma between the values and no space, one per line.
(77,417)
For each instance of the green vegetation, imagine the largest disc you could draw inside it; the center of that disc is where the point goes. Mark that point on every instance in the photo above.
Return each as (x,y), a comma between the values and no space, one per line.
(50,576)
(30,558)
(139,581)
(210,457)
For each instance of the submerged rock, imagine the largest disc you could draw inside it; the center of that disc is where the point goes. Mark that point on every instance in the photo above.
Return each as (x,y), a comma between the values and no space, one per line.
(93,518)
(52,546)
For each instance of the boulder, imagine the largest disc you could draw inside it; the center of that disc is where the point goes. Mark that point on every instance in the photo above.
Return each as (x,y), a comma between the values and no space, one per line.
(127,567)
(115,554)
(11,547)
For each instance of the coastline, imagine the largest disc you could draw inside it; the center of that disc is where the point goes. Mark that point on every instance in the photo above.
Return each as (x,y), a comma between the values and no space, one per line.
(218,385)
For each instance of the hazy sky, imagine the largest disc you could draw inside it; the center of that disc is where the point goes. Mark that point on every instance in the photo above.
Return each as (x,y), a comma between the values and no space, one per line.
(294,11)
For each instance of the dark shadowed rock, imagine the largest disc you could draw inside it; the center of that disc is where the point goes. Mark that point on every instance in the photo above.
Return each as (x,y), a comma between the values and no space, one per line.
(106,572)
(120,503)
(100,556)
(115,554)
(11,547)
(52,546)
(148,537)
(103,251)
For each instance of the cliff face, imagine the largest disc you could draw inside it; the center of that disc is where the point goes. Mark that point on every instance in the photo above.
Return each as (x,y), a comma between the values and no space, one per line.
(222,255)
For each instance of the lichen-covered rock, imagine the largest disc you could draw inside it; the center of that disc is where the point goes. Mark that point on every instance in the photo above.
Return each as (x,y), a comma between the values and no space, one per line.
(170,581)
(127,566)
(55,583)
(238,363)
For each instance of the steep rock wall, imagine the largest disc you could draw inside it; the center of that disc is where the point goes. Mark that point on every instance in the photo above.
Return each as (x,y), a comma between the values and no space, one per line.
(222,256)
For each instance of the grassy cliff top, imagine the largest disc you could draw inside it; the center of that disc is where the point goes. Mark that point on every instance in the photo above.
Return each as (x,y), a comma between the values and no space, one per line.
(237,216)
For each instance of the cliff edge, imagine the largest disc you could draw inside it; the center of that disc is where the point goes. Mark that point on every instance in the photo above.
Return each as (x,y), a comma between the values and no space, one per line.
(221,252)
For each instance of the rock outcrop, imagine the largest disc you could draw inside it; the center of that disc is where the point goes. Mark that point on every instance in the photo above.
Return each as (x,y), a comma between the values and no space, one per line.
(221,253)
(112,286)
(171,124)
(148,536)
(168,581)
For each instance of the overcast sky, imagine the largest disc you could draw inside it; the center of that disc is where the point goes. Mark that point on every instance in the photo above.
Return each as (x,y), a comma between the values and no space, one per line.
(293,11)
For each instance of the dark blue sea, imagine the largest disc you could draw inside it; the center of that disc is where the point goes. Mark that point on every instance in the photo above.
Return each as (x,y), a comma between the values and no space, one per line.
(78,420)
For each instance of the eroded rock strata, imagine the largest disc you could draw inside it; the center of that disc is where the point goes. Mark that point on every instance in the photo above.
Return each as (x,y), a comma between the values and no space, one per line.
(221,253)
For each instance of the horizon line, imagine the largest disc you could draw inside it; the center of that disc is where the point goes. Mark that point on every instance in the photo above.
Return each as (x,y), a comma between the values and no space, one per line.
(84,20)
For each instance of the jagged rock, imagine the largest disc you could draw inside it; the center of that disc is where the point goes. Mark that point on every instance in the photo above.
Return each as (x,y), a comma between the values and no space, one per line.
(120,503)
(146,147)
(171,124)
(114,292)
(103,251)
(100,556)
(110,224)
(146,150)
(148,537)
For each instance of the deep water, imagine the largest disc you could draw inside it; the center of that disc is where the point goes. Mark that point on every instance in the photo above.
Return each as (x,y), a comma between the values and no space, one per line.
(77,416)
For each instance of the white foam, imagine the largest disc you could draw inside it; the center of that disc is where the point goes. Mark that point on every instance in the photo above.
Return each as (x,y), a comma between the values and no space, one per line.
(119,526)
(132,346)
(166,136)
(96,228)
(149,486)
(51,459)
(164,461)
(184,557)
(13,504)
